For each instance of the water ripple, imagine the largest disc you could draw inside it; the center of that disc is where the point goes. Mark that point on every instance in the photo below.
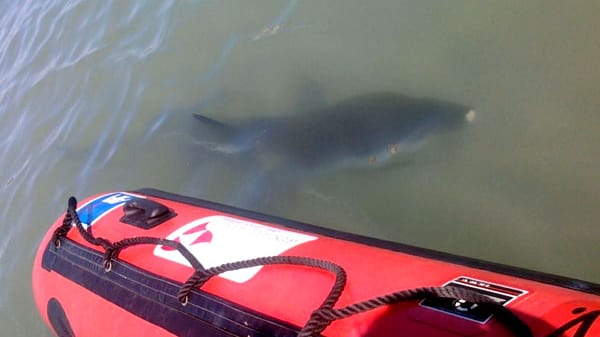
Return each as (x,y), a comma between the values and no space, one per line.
(51,56)
(73,83)
(150,33)
(235,38)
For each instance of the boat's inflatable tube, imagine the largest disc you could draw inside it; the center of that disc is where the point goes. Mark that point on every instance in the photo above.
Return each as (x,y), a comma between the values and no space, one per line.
(150,263)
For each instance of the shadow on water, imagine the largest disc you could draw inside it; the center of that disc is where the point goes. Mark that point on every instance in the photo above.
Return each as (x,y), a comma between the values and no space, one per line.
(279,163)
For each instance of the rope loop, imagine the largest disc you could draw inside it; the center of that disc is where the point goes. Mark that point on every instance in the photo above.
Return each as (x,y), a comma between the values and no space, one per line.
(322,317)
(202,275)
(111,250)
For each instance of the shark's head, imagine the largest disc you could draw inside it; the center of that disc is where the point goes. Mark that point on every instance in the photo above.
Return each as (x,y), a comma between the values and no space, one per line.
(387,125)
(407,117)
(446,115)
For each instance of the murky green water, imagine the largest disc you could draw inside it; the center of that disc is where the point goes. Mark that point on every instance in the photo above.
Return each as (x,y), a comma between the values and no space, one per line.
(98,96)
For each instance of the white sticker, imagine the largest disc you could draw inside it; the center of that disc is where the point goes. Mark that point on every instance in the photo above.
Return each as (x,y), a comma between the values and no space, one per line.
(216,240)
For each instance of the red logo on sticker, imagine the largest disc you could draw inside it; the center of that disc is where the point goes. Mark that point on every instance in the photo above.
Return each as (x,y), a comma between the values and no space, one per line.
(193,236)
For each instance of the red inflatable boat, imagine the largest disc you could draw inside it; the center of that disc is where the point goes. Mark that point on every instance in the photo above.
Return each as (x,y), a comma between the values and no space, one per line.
(150,263)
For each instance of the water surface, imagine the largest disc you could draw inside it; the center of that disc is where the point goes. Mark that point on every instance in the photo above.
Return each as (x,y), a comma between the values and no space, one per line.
(98,96)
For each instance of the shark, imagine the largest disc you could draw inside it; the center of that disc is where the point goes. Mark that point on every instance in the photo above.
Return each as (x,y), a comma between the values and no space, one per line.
(361,132)
(364,131)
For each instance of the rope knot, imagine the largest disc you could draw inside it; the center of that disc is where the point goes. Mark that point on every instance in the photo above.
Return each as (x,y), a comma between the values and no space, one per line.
(197,279)
(110,253)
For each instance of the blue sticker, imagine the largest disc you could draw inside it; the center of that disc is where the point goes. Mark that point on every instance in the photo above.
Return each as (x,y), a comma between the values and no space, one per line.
(97,208)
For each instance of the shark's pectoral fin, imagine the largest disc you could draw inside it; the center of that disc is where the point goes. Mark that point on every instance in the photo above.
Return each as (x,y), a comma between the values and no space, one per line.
(261,189)
(213,123)
(220,137)
(266,184)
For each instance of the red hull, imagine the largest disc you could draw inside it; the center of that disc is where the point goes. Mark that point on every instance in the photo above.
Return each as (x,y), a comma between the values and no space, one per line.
(138,296)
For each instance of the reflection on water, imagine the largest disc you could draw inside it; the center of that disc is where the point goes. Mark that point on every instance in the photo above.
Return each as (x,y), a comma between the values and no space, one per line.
(98,96)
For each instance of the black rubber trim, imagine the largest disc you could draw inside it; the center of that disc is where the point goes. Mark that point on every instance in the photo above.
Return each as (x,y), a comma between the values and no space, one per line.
(556,280)
(58,319)
(154,298)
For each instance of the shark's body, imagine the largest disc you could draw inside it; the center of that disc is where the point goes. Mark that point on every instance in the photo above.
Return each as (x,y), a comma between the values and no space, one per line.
(362,131)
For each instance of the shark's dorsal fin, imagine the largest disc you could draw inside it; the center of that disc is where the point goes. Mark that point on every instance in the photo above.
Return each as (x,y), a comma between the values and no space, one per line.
(310,97)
